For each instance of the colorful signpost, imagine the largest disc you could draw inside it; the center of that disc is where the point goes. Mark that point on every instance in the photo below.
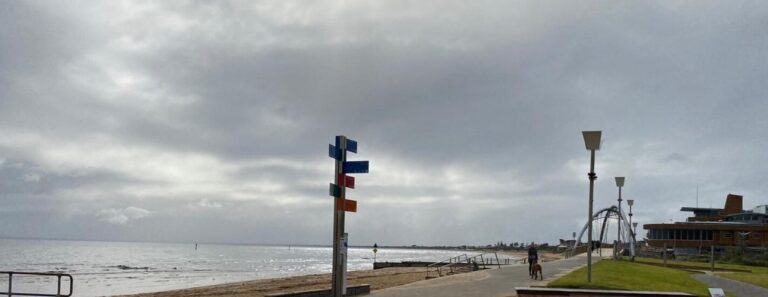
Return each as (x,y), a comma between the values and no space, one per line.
(341,205)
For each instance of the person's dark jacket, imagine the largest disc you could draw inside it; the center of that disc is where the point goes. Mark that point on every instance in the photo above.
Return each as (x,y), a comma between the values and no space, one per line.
(533,255)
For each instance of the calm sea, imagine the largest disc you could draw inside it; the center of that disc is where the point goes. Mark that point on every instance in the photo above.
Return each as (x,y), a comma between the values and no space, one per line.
(111,268)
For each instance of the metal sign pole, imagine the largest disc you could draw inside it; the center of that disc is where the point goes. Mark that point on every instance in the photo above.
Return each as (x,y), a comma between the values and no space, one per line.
(341,205)
(338,225)
(344,251)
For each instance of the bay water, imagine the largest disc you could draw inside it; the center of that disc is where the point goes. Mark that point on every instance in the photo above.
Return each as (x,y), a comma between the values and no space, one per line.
(112,268)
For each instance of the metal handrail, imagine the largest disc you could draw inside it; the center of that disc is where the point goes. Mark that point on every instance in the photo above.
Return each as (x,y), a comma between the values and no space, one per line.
(483,262)
(468,260)
(9,291)
(451,264)
(450,261)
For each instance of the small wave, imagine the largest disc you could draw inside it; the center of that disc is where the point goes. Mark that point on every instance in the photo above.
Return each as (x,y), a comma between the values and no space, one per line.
(126,267)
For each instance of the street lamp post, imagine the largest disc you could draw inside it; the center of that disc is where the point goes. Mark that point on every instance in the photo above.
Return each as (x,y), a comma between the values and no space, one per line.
(592,143)
(620,184)
(631,202)
(634,238)
(634,225)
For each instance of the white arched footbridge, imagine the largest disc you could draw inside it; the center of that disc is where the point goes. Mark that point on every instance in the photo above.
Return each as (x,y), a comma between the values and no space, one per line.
(605,214)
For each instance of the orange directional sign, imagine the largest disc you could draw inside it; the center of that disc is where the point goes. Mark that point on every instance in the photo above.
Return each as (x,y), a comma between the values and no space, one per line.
(346,205)
(350,205)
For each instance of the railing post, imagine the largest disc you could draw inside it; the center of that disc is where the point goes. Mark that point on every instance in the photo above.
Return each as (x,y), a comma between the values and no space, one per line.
(58,286)
(10,283)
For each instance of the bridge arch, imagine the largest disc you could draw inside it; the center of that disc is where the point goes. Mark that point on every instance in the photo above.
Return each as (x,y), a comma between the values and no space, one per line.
(606,213)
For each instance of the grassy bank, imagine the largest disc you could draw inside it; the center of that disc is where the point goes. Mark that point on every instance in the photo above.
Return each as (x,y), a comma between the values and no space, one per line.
(625,275)
(758,275)
(705,265)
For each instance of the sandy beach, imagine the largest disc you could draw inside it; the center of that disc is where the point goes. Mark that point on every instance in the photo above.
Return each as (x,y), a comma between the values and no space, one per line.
(378,279)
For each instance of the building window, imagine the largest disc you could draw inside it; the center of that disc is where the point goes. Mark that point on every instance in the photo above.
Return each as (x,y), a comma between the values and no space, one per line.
(727,234)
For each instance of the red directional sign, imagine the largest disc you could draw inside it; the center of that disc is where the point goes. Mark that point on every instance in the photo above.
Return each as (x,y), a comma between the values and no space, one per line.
(349,181)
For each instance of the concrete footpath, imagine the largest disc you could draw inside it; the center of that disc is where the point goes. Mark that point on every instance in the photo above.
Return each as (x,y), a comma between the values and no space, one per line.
(491,282)
(737,288)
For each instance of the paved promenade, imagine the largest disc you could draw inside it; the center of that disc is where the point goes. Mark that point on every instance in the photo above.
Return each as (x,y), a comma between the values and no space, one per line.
(491,282)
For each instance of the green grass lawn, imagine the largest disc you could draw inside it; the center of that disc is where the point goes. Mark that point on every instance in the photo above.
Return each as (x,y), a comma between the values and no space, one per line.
(705,265)
(625,275)
(758,275)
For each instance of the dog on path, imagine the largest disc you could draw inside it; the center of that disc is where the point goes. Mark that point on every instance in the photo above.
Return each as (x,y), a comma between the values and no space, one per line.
(536,269)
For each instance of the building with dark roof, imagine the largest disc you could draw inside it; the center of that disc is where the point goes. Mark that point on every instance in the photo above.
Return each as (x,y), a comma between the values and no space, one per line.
(727,226)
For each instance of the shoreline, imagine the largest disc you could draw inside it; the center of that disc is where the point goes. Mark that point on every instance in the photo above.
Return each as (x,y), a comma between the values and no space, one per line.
(378,279)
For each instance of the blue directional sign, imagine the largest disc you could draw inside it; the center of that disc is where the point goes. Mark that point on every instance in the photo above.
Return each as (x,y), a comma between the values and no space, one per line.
(334,152)
(356,167)
(351,145)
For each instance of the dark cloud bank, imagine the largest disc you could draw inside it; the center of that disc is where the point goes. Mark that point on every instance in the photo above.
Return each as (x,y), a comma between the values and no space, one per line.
(188,121)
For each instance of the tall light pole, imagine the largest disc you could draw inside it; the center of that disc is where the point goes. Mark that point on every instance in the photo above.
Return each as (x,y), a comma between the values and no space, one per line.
(631,202)
(634,225)
(592,142)
(620,184)
(634,238)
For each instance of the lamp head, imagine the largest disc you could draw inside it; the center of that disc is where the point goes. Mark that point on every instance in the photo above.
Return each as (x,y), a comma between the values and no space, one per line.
(619,181)
(630,201)
(634,224)
(592,139)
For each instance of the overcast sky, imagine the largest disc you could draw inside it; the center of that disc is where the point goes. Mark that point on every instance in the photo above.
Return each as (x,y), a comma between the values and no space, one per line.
(210,121)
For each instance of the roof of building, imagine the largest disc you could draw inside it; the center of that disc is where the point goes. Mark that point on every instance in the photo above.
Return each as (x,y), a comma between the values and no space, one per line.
(716,225)
(700,209)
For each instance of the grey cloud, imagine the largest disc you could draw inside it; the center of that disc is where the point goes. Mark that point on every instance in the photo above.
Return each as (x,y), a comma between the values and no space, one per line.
(122,216)
(471,119)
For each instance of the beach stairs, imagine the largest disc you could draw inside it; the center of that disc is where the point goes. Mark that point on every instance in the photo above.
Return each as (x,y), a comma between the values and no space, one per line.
(462,263)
